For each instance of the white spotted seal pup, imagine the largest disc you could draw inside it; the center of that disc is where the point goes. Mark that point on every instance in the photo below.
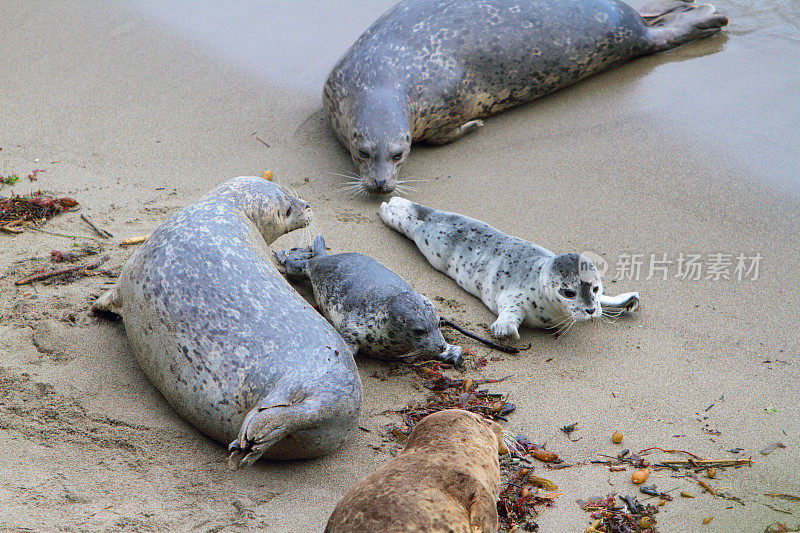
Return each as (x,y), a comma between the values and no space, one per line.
(517,280)
(234,349)
(428,70)
(446,480)
(374,310)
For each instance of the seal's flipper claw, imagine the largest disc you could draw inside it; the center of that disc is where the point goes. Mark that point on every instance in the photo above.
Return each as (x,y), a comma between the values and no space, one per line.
(622,303)
(263,427)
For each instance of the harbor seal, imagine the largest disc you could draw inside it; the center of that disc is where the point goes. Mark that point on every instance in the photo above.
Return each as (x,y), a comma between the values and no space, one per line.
(374,309)
(234,349)
(428,70)
(517,280)
(446,480)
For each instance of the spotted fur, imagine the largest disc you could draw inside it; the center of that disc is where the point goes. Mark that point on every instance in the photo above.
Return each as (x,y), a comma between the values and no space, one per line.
(374,309)
(429,70)
(517,280)
(232,347)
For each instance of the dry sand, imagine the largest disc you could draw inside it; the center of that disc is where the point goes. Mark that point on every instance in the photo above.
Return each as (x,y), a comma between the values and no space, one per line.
(694,151)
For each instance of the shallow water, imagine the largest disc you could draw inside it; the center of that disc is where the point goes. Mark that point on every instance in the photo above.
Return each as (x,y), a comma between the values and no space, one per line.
(753,121)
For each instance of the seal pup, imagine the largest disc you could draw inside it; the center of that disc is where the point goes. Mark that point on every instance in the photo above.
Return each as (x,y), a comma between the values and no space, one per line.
(428,70)
(446,480)
(374,309)
(234,349)
(517,280)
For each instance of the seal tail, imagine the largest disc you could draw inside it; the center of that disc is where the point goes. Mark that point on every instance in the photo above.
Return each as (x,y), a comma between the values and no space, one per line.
(293,263)
(109,303)
(403,215)
(672,23)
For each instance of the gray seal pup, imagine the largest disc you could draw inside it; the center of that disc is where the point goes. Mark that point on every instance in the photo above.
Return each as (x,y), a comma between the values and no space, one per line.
(446,480)
(374,309)
(517,280)
(428,70)
(234,349)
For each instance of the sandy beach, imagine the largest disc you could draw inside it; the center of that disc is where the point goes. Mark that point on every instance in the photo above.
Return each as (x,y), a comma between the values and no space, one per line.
(137,109)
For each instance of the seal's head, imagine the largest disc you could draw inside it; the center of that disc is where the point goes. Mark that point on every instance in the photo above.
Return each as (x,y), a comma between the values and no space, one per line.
(272,209)
(573,285)
(450,428)
(380,140)
(415,324)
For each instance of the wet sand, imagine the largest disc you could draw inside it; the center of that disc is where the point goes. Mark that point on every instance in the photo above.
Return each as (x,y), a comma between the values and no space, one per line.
(688,152)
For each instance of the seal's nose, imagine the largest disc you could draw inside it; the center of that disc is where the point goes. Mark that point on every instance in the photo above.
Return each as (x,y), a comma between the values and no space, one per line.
(590,311)
(380,185)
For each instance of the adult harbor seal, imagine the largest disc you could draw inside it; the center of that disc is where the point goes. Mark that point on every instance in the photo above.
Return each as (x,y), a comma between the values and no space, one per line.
(374,309)
(429,70)
(446,480)
(234,349)
(517,280)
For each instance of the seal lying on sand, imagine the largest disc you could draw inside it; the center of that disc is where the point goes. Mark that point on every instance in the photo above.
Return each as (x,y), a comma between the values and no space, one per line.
(428,70)
(519,281)
(230,344)
(374,310)
(446,480)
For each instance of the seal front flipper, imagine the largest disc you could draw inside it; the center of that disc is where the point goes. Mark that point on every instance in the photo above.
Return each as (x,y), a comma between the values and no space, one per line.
(510,315)
(446,137)
(622,303)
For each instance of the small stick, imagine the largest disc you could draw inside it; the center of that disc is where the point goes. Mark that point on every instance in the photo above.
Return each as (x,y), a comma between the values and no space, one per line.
(711,462)
(139,239)
(60,271)
(487,342)
(262,141)
(9,229)
(103,233)
(670,451)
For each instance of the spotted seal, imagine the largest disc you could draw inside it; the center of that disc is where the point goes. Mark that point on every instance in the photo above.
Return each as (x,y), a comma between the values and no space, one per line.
(374,309)
(446,480)
(428,70)
(517,280)
(234,349)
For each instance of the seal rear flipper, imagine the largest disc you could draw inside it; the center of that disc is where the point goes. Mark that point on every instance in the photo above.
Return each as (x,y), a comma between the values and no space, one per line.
(264,426)
(293,263)
(675,22)
(402,215)
(109,303)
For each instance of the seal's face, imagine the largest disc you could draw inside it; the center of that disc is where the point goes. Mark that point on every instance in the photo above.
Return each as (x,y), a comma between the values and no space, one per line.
(415,324)
(575,285)
(379,161)
(294,213)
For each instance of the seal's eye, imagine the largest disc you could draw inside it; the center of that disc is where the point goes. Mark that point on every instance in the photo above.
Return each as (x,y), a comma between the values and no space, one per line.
(568,293)
(418,332)
(594,290)
(397,157)
(288,211)
(363,155)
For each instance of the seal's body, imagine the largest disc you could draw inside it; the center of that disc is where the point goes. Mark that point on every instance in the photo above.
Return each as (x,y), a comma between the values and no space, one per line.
(230,344)
(429,70)
(517,280)
(374,310)
(445,480)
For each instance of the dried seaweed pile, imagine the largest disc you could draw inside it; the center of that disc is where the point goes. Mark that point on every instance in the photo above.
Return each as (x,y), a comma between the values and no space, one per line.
(630,517)
(17,210)
(448,393)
